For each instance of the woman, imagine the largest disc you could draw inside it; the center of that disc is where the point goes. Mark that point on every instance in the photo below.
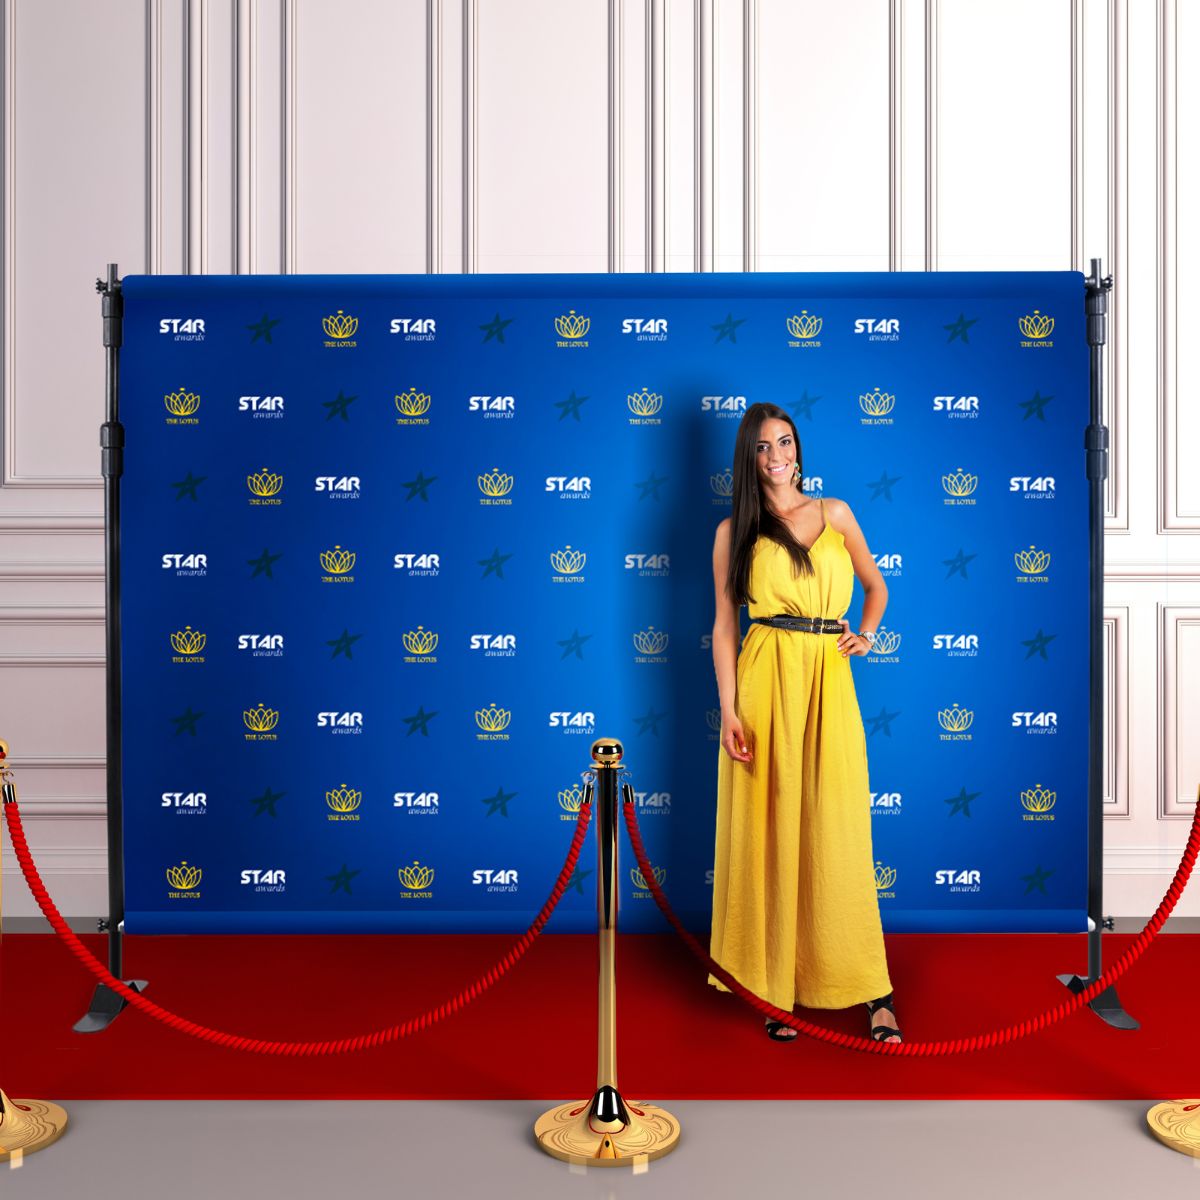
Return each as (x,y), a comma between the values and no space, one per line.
(795,908)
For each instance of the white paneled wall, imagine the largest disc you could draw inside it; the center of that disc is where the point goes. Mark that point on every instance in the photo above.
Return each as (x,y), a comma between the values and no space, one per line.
(594,135)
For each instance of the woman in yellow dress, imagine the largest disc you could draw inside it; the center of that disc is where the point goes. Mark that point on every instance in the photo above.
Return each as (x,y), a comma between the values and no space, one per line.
(795,908)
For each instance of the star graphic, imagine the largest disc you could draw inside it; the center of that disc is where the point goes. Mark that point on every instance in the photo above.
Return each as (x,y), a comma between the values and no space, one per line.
(498,802)
(803,406)
(577,877)
(1034,407)
(883,485)
(418,486)
(419,720)
(262,329)
(341,645)
(188,486)
(962,802)
(266,802)
(262,564)
(650,485)
(649,722)
(728,327)
(574,643)
(495,328)
(341,879)
(1037,880)
(883,721)
(958,564)
(959,328)
(338,407)
(1038,643)
(495,563)
(570,406)
(187,721)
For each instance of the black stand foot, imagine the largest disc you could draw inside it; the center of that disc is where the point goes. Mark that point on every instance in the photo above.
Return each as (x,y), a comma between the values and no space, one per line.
(106,1006)
(1105,1005)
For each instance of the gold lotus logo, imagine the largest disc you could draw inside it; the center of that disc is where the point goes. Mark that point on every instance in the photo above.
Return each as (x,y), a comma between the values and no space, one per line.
(885,877)
(568,561)
(340,326)
(960,483)
(412,403)
(1037,326)
(722,483)
(492,719)
(571,799)
(420,640)
(260,719)
(184,878)
(639,879)
(182,403)
(713,717)
(955,719)
(188,641)
(650,641)
(644,403)
(264,483)
(338,561)
(1038,799)
(885,643)
(495,483)
(343,799)
(804,326)
(877,403)
(415,878)
(572,326)
(1032,561)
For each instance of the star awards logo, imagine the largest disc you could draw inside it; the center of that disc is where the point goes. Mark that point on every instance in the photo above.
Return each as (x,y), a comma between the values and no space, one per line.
(957,408)
(415,881)
(805,331)
(415,329)
(340,330)
(570,801)
(885,881)
(644,407)
(495,486)
(343,803)
(1037,802)
(260,723)
(886,646)
(187,644)
(420,644)
(1032,565)
(721,484)
(180,407)
(567,565)
(641,889)
(959,485)
(876,405)
(1036,328)
(412,407)
(651,645)
(265,487)
(492,722)
(572,330)
(183,881)
(337,565)
(956,722)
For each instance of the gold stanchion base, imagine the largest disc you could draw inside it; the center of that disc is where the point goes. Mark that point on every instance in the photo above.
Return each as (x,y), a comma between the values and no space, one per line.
(28,1125)
(1176,1123)
(566,1133)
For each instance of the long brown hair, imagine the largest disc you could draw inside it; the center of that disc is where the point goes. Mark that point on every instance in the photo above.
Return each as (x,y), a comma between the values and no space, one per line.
(751,519)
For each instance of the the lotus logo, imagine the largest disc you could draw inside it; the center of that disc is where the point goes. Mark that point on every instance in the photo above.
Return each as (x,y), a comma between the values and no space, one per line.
(644,403)
(181,405)
(420,640)
(570,800)
(338,561)
(188,641)
(960,482)
(712,718)
(955,719)
(260,719)
(1037,327)
(1032,561)
(264,483)
(885,877)
(572,327)
(650,641)
(340,326)
(805,326)
(492,719)
(343,799)
(877,403)
(412,403)
(415,878)
(1038,799)
(639,880)
(722,484)
(184,878)
(885,642)
(568,561)
(495,483)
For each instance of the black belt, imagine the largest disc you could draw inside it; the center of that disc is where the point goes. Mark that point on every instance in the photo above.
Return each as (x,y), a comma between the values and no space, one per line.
(801,624)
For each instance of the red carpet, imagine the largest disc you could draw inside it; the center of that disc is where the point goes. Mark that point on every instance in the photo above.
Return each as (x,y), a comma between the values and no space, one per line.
(533,1033)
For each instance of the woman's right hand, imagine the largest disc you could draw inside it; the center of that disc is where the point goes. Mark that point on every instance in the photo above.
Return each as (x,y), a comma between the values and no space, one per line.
(733,739)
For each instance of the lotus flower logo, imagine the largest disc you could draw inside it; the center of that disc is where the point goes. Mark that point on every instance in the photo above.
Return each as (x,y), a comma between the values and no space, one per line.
(644,403)
(571,799)
(420,640)
(885,643)
(722,483)
(188,641)
(415,878)
(493,719)
(184,878)
(639,880)
(260,719)
(338,561)
(343,799)
(877,403)
(340,326)
(495,483)
(1032,561)
(1037,326)
(412,403)
(885,877)
(713,718)
(804,326)
(955,719)
(961,483)
(568,561)
(1038,799)
(572,327)
(650,641)
(182,403)
(265,483)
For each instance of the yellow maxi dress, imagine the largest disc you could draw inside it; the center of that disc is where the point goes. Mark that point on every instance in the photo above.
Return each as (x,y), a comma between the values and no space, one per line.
(795,910)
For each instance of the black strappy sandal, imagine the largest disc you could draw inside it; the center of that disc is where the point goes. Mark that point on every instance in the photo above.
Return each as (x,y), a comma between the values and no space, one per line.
(881,1033)
(774,1031)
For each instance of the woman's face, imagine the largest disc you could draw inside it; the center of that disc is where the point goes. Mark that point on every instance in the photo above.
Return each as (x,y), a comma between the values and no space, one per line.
(776,456)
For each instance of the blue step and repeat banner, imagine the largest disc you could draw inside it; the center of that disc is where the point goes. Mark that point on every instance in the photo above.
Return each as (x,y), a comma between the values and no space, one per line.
(396,549)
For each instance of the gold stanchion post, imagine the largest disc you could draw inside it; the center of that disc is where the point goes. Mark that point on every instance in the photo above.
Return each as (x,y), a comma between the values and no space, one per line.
(608,1131)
